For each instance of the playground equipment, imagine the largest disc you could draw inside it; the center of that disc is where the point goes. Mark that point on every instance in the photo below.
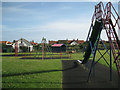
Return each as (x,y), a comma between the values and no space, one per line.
(16,49)
(103,19)
(43,47)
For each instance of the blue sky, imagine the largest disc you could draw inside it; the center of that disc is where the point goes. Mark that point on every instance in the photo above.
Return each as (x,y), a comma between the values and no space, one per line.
(53,20)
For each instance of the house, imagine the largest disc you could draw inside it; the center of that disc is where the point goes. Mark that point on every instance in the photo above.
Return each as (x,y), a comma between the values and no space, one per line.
(58,48)
(67,42)
(33,43)
(62,41)
(80,41)
(23,43)
(52,42)
(5,42)
(6,46)
(74,43)
(77,42)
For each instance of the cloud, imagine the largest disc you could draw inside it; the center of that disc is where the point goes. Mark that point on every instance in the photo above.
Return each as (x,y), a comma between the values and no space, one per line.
(53,30)
(59,29)
(16,9)
(55,25)
(21,13)
(66,8)
(71,29)
(68,26)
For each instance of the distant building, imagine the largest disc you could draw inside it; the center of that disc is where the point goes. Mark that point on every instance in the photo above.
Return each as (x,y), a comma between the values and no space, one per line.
(74,43)
(5,46)
(62,41)
(23,42)
(69,42)
(80,41)
(52,42)
(33,43)
(5,42)
(58,48)
(77,42)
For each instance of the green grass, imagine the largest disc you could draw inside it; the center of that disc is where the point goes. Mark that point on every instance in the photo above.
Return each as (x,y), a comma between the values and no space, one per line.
(31,73)
(24,73)
(107,57)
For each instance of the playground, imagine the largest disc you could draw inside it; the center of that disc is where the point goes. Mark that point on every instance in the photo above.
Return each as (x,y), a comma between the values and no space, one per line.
(92,68)
(54,73)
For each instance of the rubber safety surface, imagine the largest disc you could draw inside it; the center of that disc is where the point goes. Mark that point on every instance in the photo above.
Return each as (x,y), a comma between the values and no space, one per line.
(75,76)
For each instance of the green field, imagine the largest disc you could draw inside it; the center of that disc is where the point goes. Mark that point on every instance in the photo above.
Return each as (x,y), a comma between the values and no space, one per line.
(36,73)
(31,73)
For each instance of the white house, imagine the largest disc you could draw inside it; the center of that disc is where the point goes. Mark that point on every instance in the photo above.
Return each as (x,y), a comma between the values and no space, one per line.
(77,42)
(23,42)
(74,43)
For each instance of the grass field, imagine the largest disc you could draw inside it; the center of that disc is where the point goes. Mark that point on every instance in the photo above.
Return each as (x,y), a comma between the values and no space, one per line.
(31,73)
(19,73)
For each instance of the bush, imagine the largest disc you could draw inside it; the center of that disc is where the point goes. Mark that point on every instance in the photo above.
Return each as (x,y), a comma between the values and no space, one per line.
(7,48)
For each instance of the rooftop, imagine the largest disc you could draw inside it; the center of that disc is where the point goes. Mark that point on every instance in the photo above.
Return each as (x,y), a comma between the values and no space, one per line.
(57,45)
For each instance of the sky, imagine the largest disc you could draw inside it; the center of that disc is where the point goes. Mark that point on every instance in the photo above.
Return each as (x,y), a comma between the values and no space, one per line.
(52,20)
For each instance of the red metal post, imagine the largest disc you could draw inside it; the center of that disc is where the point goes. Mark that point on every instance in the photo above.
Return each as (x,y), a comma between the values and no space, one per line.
(16,49)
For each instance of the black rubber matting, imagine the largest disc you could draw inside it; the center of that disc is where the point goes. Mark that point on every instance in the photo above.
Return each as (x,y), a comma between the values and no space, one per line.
(75,76)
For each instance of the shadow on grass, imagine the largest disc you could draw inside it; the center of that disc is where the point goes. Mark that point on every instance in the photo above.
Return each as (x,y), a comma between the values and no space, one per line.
(51,82)
(35,82)
(37,72)
(28,58)
(28,54)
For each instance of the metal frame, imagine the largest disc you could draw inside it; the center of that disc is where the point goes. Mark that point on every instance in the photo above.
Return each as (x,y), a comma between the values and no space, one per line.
(106,14)
(16,48)
(94,50)
(43,48)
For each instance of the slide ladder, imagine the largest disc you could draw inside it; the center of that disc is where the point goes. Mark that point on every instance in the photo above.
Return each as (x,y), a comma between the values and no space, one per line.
(112,35)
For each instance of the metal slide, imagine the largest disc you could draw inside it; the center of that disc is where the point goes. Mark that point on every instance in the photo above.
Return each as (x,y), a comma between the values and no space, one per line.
(97,28)
(110,22)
